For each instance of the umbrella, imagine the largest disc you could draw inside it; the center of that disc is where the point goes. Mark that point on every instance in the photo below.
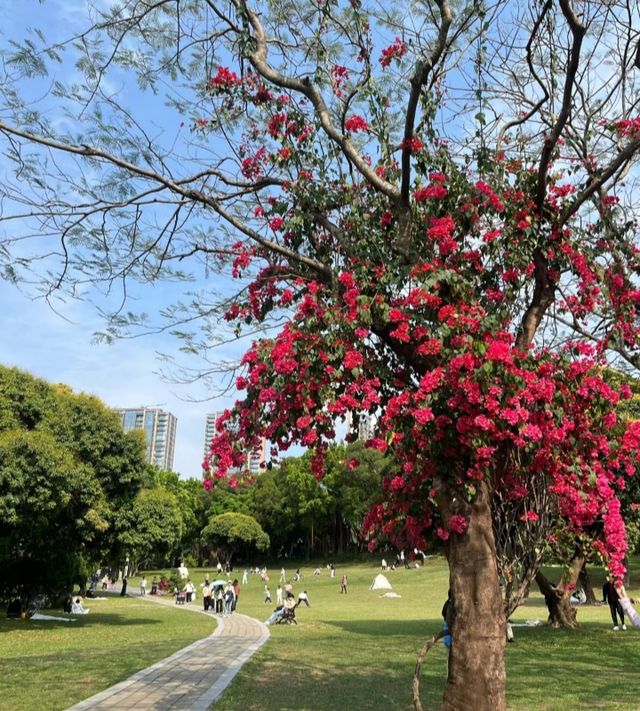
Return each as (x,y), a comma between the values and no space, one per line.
(215,583)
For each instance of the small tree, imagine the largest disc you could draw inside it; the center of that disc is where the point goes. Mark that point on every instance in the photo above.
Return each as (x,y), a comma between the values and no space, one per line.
(149,527)
(230,533)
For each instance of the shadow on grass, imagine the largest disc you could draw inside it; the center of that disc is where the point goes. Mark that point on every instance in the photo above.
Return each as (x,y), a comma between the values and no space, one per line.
(388,628)
(98,618)
(349,684)
(588,668)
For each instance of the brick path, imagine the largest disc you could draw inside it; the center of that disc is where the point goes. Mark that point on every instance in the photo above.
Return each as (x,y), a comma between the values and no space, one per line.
(192,678)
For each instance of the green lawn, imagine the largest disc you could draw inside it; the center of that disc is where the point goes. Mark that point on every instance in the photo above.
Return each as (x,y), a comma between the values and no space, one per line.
(356,651)
(359,651)
(52,665)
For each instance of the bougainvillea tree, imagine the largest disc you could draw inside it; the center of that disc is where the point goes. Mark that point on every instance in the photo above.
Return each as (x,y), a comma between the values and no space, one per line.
(429,211)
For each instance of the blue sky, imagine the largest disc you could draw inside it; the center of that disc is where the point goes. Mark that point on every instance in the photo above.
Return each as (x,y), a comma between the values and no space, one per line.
(61,348)
(58,349)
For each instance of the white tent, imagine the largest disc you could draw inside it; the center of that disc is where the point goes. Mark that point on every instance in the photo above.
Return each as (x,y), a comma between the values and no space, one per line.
(380,583)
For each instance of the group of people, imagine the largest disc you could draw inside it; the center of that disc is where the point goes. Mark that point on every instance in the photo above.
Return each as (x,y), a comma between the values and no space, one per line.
(221,598)
(285,607)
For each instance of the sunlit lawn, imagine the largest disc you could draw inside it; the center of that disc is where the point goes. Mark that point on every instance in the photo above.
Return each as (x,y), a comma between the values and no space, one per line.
(354,651)
(49,666)
(359,651)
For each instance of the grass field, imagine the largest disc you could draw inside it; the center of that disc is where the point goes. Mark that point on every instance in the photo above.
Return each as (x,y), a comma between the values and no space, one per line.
(354,651)
(49,666)
(359,651)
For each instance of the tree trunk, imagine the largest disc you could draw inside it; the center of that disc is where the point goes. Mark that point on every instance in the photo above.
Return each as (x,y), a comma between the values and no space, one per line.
(585,581)
(476,678)
(558,597)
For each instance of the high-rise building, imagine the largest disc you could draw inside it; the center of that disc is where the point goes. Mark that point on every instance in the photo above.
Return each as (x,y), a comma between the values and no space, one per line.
(366,425)
(159,428)
(209,431)
(255,459)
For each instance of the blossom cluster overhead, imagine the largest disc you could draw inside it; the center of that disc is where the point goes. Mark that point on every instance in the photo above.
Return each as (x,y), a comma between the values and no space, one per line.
(418,324)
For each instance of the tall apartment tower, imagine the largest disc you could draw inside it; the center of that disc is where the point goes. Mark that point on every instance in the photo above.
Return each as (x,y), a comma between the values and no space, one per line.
(255,459)
(159,428)
(366,424)
(209,431)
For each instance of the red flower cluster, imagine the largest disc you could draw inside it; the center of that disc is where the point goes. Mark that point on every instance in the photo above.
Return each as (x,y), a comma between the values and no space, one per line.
(396,51)
(354,124)
(224,80)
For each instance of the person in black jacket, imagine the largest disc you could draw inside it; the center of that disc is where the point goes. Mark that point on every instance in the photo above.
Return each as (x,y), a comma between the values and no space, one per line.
(610,595)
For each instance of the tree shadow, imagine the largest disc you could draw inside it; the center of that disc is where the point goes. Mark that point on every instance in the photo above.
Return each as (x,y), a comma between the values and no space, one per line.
(389,627)
(97,618)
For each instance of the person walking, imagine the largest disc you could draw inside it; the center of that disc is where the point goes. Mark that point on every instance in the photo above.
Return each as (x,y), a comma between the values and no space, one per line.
(343,585)
(283,575)
(189,590)
(123,592)
(267,594)
(219,599)
(245,577)
(236,595)
(228,599)
(279,596)
(206,595)
(143,586)
(610,595)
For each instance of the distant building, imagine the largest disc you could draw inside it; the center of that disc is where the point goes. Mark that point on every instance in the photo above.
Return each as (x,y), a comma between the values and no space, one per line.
(209,431)
(366,425)
(159,428)
(255,459)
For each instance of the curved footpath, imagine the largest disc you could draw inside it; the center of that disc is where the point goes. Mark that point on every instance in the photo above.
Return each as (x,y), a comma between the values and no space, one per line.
(192,678)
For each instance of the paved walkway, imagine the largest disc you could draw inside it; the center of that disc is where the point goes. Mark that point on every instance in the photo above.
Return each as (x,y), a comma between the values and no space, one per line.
(192,678)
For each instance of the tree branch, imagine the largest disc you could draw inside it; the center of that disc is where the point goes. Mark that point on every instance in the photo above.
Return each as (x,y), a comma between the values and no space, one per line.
(258,58)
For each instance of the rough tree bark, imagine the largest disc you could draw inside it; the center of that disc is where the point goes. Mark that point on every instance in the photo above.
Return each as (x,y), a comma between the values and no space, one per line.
(558,597)
(476,678)
(585,582)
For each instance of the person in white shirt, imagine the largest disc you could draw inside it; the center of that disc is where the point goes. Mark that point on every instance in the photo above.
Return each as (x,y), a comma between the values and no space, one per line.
(629,609)
(77,607)
(303,597)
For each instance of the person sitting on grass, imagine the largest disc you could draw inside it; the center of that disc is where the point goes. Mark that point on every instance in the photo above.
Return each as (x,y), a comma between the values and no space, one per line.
(77,608)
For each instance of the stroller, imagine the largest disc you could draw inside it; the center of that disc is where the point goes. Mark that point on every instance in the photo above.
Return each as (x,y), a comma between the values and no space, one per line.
(288,617)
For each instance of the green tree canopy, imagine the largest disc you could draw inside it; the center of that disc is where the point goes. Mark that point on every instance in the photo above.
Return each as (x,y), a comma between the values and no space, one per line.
(66,466)
(230,533)
(149,526)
